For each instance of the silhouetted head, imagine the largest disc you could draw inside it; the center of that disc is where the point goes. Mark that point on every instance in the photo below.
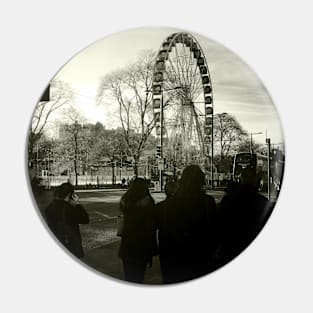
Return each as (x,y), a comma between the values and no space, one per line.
(170,188)
(137,190)
(192,181)
(249,177)
(64,190)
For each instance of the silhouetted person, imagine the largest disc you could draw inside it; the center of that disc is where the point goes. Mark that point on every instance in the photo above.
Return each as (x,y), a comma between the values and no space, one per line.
(170,188)
(63,217)
(138,244)
(186,223)
(242,214)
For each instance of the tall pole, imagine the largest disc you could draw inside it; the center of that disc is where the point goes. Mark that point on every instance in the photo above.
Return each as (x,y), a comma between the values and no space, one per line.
(121,167)
(161,144)
(114,172)
(212,144)
(268,142)
(49,168)
(259,133)
(37,161)
(147,169)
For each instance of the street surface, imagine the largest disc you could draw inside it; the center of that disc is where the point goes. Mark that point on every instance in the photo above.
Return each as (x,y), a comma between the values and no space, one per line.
(102,205)
(103,209)
(100,242)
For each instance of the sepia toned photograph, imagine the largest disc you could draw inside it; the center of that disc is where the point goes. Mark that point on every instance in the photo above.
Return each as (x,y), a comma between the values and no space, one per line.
(155,156)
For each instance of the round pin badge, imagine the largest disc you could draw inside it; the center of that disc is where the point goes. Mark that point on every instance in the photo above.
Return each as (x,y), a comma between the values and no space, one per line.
(155,156)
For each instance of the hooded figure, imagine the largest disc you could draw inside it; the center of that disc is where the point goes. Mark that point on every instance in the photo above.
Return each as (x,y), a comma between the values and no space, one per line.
(63,217)
(186,223)
(138,244)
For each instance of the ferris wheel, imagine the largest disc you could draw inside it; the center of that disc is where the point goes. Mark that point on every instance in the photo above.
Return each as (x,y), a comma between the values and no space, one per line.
(183,104)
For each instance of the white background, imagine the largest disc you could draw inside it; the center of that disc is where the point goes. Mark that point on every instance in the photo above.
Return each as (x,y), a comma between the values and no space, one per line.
(275,273)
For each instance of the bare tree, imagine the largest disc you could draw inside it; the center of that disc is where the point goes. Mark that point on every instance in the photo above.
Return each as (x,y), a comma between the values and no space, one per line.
(111,144)
(130,89)
(247,145)
(228,134)
(73,133)
(61,94)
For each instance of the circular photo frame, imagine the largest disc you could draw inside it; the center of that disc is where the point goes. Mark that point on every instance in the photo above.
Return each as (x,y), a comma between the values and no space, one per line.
(155,156)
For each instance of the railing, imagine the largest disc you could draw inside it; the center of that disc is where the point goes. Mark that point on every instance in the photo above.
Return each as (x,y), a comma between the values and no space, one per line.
(82,180)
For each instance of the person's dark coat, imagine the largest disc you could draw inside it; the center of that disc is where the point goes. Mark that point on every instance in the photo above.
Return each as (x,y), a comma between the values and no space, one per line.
(242,214)
(139,231)
(187,236)
(63,219)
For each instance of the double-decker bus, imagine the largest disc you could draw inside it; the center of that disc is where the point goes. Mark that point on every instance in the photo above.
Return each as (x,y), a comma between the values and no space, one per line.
(255,161)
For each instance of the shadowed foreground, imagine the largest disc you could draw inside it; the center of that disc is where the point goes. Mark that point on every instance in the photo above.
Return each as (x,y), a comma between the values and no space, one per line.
(106,261)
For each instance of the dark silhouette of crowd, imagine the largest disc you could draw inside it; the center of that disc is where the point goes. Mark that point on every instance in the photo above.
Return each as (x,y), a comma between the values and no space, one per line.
(192,235)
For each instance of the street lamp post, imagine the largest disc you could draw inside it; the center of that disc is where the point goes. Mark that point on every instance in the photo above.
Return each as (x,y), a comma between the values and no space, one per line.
(121,167)
(212,152)
(161,144)
(161,134)
(251,134)
(268,142)
(161,168)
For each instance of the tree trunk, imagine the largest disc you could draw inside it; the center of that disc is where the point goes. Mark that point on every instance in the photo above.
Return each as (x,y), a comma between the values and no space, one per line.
(135,165)
(75,157)
(113,173)
(222,152)
(75,170)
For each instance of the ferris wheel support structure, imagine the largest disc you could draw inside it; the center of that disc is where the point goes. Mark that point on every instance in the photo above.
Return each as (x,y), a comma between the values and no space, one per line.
(181,73)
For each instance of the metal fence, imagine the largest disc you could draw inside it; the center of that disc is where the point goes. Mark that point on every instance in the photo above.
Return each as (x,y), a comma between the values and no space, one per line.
(82,180)
(106,178)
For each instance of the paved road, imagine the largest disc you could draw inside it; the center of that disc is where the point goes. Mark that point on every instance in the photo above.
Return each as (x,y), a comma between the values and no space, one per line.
(103,209)
(99,236)
(102,206)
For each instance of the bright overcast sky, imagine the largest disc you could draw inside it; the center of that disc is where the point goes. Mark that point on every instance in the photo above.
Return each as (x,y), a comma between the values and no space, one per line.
(236,88)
